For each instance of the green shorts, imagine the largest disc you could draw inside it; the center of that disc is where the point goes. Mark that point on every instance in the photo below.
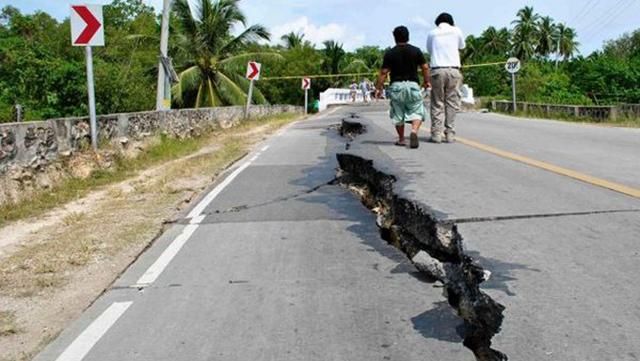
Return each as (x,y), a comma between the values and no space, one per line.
(407,103)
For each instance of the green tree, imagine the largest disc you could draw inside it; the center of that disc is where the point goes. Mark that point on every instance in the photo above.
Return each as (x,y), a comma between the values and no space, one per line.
(294,40)
(213,76)
(473,51)
(525,33)
(548,36)
(567,40)
(496,42)
(333,56)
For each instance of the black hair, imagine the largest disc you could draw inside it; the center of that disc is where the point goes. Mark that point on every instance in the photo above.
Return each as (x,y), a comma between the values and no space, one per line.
(445,18)
(401,34)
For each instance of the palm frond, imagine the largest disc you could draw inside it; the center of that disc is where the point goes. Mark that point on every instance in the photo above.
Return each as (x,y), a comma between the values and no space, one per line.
(356,66)
(187,23)
(214,96)
(257,97)
(199,96)
(188,81)
(229,91)
(252,33)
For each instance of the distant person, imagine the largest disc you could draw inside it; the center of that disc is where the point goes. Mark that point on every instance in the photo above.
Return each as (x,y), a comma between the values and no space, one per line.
(353,91)
(364,89)
(444,44)
(407,106)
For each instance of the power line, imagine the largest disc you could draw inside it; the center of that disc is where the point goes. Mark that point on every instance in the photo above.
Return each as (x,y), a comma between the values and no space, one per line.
(324,76)
(612,16)
(581,15)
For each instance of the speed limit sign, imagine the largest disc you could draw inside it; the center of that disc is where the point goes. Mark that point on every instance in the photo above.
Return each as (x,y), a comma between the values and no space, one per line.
(512,65)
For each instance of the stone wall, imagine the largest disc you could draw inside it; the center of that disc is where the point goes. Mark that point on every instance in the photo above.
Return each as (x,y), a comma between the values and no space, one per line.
(32,153)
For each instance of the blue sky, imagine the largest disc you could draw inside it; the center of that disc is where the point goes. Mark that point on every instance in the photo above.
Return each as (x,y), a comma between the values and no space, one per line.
(369,22)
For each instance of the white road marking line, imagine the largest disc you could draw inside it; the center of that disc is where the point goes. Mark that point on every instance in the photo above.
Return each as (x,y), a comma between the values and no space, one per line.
(204,203)
(81,346)
(196,217)
(156,269)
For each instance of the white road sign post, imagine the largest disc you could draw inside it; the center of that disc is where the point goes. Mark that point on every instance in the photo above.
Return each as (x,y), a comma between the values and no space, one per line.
(306,84)
(253,74)
(87,31)
(513,66)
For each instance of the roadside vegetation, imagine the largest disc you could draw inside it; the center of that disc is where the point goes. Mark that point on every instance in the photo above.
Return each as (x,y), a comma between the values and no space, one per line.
(42,72)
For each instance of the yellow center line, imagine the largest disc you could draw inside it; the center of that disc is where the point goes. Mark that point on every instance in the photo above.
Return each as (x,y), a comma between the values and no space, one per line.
(620,188)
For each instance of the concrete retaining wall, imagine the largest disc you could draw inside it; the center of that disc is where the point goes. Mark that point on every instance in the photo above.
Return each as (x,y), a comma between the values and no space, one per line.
(27,149)
(598,113)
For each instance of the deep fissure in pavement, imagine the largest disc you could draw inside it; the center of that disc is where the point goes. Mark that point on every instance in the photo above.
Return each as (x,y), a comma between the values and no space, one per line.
(435,247)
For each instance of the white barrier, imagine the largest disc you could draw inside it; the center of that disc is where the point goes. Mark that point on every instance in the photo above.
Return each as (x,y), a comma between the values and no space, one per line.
(466,93)
(339,96)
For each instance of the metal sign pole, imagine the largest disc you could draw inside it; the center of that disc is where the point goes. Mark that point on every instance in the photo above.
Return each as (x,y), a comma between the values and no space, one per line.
(249,96)
(513,90)
(306,101)
(92,99)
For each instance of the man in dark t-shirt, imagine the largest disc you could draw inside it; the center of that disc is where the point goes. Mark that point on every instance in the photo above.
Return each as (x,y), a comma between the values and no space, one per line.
(407,105)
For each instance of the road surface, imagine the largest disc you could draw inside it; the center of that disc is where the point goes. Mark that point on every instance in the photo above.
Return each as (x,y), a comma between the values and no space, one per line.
(276,263)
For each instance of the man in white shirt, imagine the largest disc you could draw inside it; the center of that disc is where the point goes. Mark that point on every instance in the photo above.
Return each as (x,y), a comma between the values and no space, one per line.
(444,44)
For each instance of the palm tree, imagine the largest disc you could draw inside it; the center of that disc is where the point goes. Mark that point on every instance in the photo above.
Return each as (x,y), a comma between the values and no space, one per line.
(567,40)
(547,37)
(213,75)
(293,40)
(495,42)
(357,66)
(472,50)
(371,55)
(333,53)
(524,33)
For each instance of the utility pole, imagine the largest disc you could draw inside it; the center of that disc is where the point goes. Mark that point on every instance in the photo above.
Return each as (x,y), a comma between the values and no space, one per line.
(163,99)
(558,49)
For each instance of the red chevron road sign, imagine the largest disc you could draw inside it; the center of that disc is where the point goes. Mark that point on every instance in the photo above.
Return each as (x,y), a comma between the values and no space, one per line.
(253,70)
(306,83)
(86,25)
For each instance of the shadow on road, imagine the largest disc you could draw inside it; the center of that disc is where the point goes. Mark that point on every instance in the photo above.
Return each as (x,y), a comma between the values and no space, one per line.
(440,323)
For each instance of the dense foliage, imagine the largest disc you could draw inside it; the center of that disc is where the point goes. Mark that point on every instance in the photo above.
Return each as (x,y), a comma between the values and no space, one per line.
(551,71)
(210,45)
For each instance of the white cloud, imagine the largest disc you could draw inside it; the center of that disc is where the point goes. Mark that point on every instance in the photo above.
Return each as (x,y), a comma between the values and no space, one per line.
(420,21)
(317,34)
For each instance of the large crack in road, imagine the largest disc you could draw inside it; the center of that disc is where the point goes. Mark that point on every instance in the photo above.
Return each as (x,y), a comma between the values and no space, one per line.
(434,246)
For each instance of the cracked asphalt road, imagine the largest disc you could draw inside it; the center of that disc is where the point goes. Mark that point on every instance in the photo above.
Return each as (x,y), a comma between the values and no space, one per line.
(564,254)
(280,267)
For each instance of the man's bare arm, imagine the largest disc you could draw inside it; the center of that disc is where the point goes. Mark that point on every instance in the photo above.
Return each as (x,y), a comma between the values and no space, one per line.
(426,76)
(381,79)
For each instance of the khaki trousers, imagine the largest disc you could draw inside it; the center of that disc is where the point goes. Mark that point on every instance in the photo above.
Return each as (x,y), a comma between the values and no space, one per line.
(445,100)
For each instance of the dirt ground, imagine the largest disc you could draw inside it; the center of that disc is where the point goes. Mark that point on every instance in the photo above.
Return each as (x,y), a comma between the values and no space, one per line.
(52,267)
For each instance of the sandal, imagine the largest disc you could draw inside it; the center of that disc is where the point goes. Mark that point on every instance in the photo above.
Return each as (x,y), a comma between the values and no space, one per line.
(399,144)
(413,141)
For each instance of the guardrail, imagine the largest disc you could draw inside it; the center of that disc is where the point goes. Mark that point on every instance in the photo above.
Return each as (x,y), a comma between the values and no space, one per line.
(598,113)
